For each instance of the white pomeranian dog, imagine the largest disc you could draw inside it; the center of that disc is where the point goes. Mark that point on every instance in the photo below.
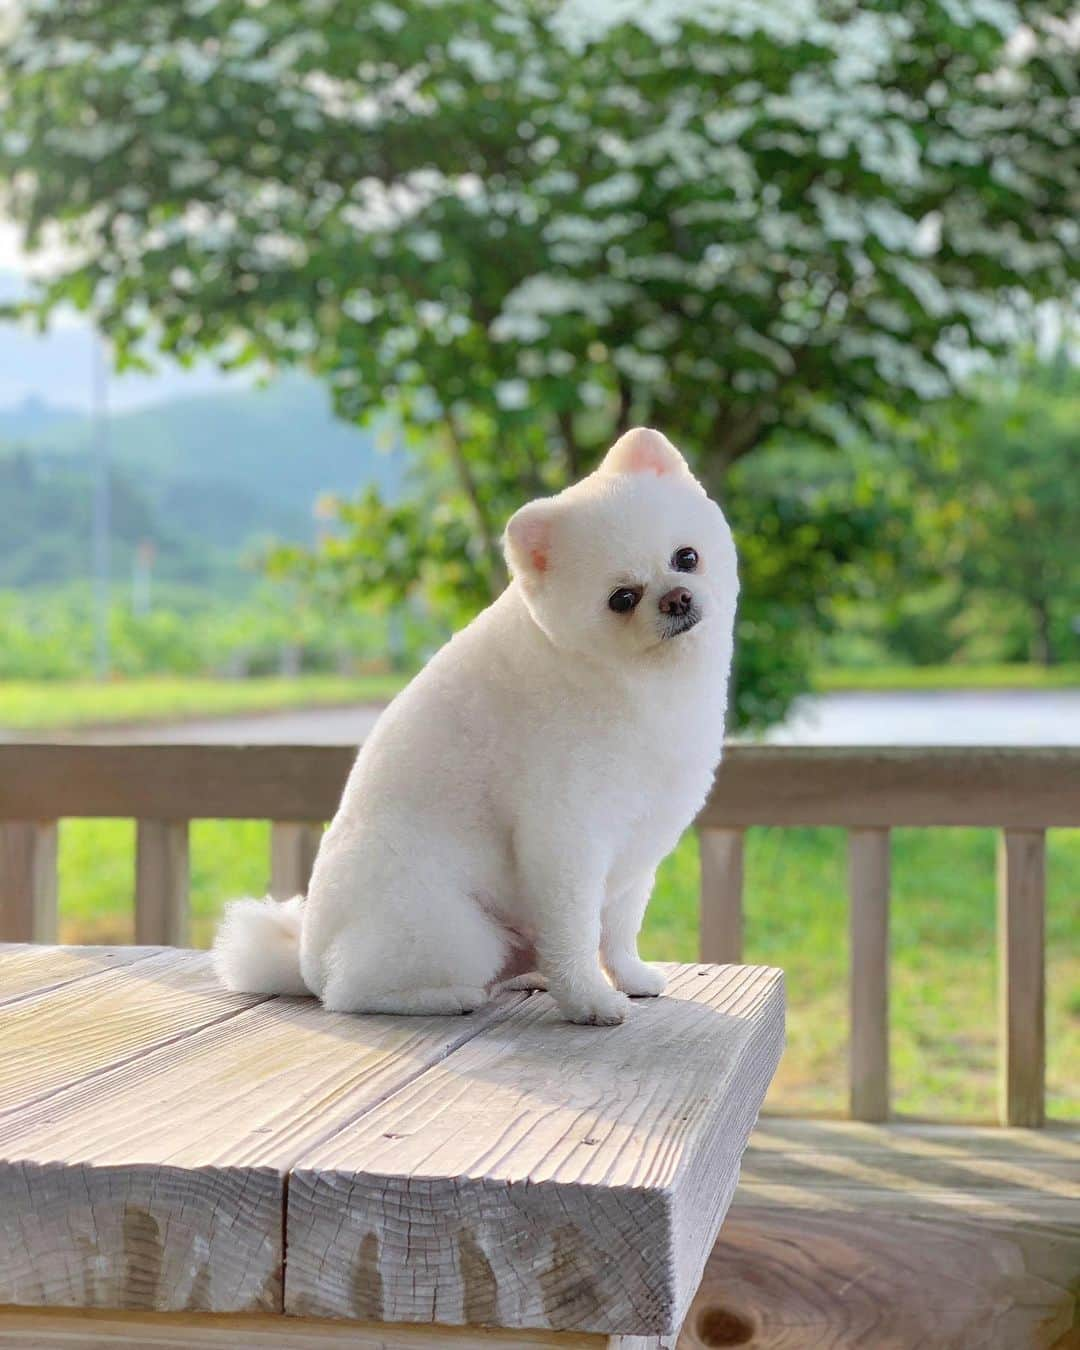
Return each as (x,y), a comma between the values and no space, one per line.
(503,823)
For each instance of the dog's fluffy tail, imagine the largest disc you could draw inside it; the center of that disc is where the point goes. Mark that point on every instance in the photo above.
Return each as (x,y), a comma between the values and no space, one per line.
(257,947)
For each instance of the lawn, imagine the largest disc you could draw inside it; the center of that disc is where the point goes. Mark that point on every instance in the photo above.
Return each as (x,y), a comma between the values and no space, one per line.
(39,705)
(42,705)
(944,1018)
(1066,676)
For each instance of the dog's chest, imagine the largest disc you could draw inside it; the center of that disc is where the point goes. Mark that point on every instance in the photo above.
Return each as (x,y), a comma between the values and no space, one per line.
(658,761)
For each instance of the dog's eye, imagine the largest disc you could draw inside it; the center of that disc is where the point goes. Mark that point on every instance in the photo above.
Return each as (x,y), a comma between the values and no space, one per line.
(684,559)
(624,599)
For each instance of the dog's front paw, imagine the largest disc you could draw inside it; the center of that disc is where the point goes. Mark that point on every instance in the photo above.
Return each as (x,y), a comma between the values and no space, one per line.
(638,979)
(604,1007)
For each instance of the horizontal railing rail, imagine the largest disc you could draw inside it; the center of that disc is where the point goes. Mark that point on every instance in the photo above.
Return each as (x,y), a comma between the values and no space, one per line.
(1020,792)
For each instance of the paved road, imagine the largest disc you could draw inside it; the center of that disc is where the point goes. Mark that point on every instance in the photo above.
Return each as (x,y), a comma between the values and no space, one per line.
(935,717)
(954,717)
(309,726)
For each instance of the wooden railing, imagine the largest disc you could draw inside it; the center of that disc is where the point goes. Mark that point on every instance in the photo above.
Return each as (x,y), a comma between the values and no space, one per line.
(1021,792)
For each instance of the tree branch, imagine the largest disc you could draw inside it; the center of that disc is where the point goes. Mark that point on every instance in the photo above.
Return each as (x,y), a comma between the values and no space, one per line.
(626,398)
(497,577)
(565,419)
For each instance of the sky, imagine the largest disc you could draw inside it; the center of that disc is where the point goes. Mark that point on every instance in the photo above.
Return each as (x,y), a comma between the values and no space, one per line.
(57,367)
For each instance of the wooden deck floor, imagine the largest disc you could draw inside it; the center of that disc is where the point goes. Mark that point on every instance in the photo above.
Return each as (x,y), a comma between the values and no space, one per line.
(897,1237)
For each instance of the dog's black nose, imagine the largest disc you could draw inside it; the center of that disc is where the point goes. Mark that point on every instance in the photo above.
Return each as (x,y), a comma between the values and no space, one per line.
(677,601)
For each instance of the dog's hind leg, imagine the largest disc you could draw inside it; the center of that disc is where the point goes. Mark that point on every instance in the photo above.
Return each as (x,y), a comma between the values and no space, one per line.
(442,965)
(531,981)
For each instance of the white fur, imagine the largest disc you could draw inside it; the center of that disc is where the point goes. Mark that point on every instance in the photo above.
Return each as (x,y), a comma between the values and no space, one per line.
(508,811)
(256,947)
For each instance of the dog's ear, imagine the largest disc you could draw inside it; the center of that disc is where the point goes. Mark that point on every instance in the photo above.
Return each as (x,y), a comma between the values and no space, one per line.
(643,450)
(527,540)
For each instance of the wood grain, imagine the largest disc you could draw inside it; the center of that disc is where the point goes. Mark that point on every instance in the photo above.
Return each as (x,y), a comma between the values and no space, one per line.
(174,782)
(1019,787)
(161,882)
(896,785)
(51,1040)
(28,895)
(31,969)
(721,917)
(59,1330)
(160,1183)
(837,1280)
(851,1238)
(868,889)
(545,1175)
(293,846)
(1021,976)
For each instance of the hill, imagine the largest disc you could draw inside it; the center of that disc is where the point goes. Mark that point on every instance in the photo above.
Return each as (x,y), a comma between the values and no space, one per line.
(204,478)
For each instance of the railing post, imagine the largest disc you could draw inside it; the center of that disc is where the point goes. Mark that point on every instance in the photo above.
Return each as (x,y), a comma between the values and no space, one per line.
(721,913)
(868,889)
(28,881)
(293,846)
(1021,977)
(161,882)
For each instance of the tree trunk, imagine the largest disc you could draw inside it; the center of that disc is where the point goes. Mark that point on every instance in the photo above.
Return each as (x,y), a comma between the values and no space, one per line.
(1042,645)
(570,445)
(732,439)
(497,576)
(626,402)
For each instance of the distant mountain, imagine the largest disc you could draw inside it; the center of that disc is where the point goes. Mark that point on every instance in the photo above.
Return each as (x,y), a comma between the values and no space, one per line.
(203,477)
(46,508)
(33,416)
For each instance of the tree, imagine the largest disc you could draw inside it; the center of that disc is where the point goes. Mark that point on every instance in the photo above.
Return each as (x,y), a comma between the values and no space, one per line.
(527,223)
(981,563)
(998,500)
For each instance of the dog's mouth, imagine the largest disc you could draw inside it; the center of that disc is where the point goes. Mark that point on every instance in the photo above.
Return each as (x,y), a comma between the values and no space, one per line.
(678,624)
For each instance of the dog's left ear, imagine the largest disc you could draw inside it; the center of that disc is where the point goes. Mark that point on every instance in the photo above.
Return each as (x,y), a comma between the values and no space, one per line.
(527,540)
(643,450)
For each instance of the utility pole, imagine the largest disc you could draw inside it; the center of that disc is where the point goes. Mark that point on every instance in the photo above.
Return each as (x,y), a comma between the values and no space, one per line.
(102,505)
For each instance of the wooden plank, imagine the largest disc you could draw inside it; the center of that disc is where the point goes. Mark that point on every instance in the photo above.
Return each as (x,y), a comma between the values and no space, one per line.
(293,846)
(160,1183)
(896,785)
(969,1175)
(51,1040)
(982,1145)
(31,969)
(161,882)
(546,1175)
(825,1277)
(1021,976)
(28,895)
(174,782)
(868,888)
(77,1330)
(791,1135)
(1019,787)
(836,1252)
(721,912)
(825,1158)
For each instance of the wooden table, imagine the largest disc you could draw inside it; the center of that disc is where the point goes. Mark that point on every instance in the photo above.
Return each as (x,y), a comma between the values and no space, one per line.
(206,1168)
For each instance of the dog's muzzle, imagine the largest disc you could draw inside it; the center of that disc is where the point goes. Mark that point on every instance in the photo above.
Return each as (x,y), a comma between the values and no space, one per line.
(677,624)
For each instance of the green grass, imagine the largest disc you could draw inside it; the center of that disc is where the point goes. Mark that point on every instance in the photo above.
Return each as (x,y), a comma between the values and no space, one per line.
(949,677)
(38,705)
(943,969)
(41,705)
